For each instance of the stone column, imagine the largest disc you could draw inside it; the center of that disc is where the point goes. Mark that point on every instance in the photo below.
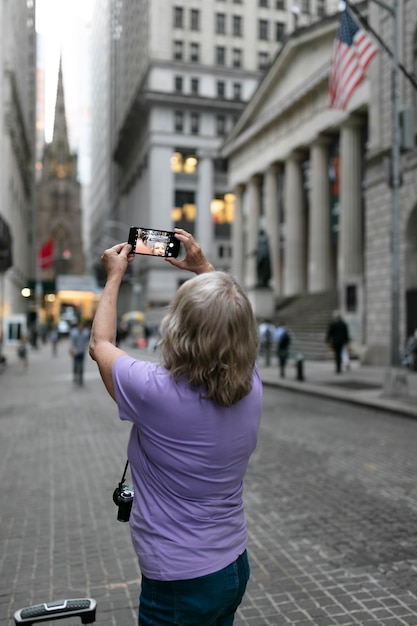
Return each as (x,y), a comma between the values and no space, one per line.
(204,223)
(319,248)
(254,200)
(294,272)
(237,236)
(350,244)
(350,253)
(272,224)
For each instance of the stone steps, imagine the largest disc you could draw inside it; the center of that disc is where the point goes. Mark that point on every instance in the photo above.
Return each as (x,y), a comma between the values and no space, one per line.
(307,317)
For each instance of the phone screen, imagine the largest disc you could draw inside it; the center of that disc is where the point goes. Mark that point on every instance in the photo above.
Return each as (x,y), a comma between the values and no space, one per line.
(154,242)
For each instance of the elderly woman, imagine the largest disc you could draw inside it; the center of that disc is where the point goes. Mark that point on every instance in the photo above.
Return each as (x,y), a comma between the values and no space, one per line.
(195,418)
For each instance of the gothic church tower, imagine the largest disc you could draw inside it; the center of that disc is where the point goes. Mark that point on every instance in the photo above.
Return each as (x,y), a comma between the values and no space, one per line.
(59,216)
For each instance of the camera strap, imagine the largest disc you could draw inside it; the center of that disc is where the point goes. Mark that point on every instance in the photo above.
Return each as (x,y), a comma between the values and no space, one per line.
(124,474)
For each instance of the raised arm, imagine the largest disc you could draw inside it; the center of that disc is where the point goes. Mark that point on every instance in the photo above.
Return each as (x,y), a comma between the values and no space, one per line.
(103,332)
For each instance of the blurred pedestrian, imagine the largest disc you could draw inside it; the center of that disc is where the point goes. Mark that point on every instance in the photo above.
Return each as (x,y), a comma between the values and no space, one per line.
(282,341)
(22,354)
(337,337)
(411,352)
(79,338)
(266,338)
(54,337)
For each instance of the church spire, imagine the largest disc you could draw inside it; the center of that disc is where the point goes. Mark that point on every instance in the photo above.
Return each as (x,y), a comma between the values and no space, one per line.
(58,160)
(60,144)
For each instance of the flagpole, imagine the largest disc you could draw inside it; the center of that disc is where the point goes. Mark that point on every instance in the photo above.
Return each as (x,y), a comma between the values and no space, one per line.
(412,79)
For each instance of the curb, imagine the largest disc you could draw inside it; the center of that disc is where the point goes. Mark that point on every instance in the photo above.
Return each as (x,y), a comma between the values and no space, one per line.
(381,403)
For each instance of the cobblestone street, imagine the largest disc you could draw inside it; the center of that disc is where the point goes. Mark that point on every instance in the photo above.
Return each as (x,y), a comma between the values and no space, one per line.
(331,501)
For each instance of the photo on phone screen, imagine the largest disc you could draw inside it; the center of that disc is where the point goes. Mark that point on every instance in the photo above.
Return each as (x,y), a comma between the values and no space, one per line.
(154,242)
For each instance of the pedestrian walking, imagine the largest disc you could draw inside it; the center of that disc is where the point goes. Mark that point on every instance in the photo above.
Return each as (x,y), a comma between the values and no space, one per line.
(266,339)
(195,419)
(337,338)
(282,340)
(79,338)
(22,354)
(54,337)
(410,357)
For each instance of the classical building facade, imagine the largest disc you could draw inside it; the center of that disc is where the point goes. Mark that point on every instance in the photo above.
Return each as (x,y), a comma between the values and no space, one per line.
(316,180)
(17,141)
(180,74)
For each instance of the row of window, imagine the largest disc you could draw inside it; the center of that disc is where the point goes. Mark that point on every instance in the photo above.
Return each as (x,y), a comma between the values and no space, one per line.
(281,5)
(220,55)
(221,23)
(220,87)
(194,123)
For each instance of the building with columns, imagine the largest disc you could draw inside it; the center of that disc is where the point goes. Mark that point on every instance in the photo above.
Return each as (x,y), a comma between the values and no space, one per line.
(179,75)
(316,181)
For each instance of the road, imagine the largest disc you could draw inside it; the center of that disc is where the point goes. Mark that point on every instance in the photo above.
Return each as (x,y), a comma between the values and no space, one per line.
(331,501)
(332,509)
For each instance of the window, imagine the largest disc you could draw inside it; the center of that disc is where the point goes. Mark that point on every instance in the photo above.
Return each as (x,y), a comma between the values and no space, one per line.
(237,26)
(263,30)
(178,84)
(280,5)
(195,123)
(306,7)
(221,125)
(321,8)
(184,161)
(195,19)
(195,52)
(221,89)
(237,91)
(263,3)
(178,17)
(280,31)
(178,50)
(195,83)
(220,23)
(179,121)
(262,60)
(220,55)
(224,251)
(237,57)
(185,210)
(351,298)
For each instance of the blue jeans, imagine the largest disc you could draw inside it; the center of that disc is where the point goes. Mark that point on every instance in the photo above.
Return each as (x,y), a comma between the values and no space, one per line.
(209,600)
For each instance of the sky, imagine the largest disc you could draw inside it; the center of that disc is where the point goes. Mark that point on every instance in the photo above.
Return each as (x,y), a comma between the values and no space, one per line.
(63,25)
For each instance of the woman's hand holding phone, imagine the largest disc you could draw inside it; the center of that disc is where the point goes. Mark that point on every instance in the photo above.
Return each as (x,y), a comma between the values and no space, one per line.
(194,260)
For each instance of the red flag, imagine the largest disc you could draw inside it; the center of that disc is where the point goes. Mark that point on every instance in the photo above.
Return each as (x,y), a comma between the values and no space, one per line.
(353,51)
(46,255)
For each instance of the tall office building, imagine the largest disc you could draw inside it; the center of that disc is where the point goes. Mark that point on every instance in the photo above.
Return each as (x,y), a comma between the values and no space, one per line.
(171,79)
(17,139)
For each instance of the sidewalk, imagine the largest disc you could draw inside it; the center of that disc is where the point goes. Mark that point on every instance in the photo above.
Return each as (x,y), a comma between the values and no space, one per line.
(363,384)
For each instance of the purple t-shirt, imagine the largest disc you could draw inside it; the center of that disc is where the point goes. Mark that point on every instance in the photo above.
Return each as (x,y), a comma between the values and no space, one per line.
(188,458)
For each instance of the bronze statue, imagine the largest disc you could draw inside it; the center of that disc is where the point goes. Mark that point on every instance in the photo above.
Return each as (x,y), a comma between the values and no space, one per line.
(263,262)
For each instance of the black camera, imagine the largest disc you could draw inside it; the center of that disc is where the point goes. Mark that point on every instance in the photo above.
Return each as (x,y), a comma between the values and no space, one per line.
(123,498)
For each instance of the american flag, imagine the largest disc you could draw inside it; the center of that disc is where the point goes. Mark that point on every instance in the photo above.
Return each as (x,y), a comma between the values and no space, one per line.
(353,51)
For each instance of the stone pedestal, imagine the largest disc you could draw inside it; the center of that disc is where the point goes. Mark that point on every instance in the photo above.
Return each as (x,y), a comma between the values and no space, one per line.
(262,301)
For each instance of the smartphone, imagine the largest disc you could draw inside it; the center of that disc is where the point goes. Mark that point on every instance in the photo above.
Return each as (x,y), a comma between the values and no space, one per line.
(154,242)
